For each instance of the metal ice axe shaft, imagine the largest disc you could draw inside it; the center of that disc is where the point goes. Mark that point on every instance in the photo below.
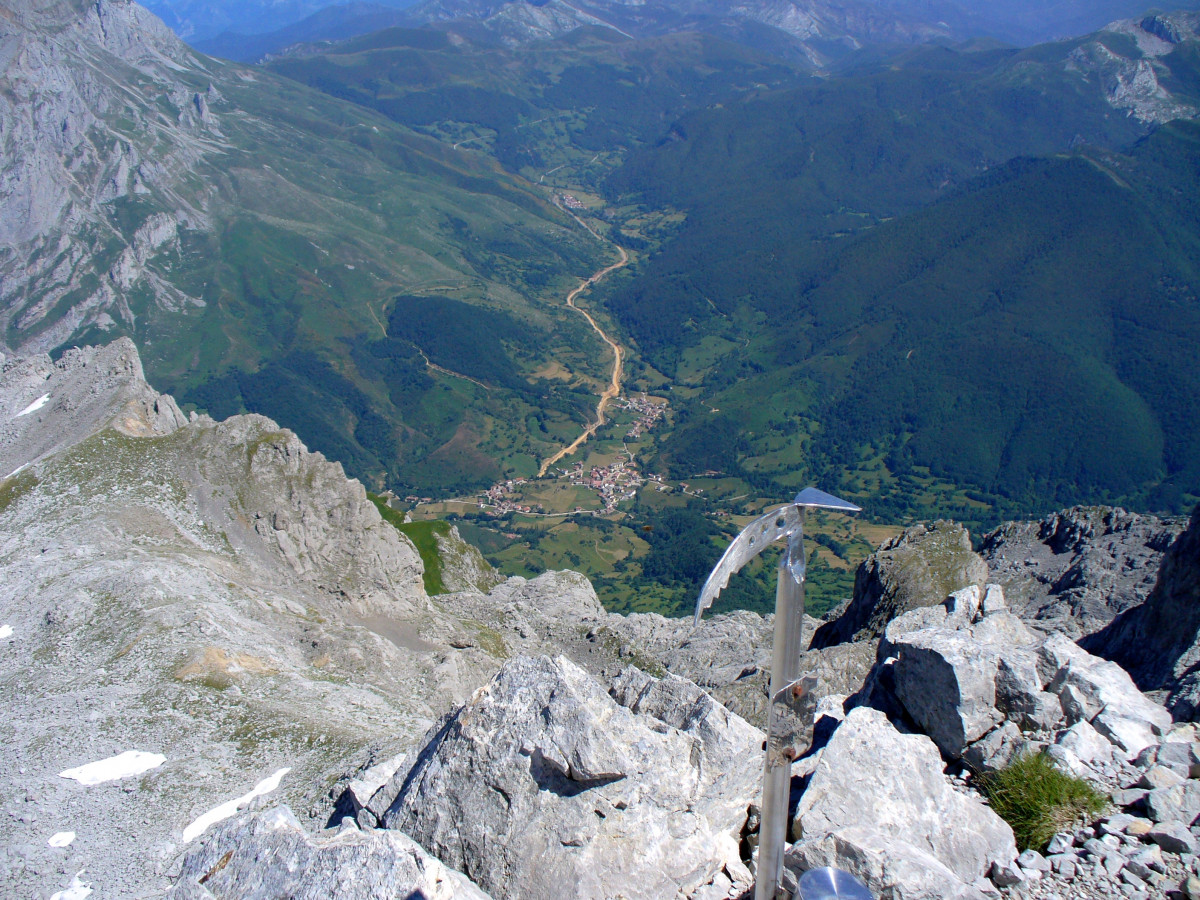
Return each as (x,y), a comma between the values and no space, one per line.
(790,711)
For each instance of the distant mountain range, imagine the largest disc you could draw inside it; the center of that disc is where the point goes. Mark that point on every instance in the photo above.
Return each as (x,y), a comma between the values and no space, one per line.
(819,30)
(199,20)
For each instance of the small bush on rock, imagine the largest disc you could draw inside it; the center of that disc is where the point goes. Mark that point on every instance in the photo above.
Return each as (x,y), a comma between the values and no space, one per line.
(1038,799)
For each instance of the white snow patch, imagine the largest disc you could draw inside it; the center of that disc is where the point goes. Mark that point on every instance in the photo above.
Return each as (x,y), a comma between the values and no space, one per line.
(5,631)
(229,808)
(62,839)
(17,471)
(77,891)
(131,762)
(34,407)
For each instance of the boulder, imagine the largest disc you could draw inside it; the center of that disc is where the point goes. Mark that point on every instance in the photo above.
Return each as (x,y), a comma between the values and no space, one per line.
(544,786)
(1173,837)
(947,675)
(1181,757)
(889,866)
(1177,803)
(917,568)
(1087,744)
(872,776)
(1129,719)
(958,672)
(270,855)
(947,686)
(996,749)
(1019,693)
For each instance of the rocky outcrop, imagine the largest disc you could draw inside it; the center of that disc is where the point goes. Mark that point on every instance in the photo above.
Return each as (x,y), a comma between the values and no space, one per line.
(917,568)
(48,405)
(1137,84)
(536,787)
(1074,571)
(270,854)
(559,612)
(207,592)
(984,687)
(872,777)
(1158,642)
(464,568)
(889,867)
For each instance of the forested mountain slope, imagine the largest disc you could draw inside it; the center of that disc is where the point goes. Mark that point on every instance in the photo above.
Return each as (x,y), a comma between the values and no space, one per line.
(1023,335)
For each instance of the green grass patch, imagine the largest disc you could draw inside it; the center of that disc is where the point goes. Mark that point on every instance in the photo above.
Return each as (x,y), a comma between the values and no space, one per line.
(1038,799)
(424,537)
(15,487)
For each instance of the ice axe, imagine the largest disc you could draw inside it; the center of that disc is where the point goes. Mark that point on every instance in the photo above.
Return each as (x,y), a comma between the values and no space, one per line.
(790,712)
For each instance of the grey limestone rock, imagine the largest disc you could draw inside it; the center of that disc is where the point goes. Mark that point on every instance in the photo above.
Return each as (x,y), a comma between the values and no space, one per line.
(1181,757)
(537,785)
(918,568)
(997,748)
(211,592)
(947,677)
(269,856)
(1159,640)
(728,655)
(47,405)
(76,139)
(1174,803)
(1129,719)
(463,566)
(958,672)
(872,776)
(1086,743)
(1074,571)
(1174,837)
(947,686)
(889,866)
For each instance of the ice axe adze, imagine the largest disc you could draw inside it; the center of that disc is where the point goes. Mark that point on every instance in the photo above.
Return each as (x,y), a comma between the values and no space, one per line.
(790,713)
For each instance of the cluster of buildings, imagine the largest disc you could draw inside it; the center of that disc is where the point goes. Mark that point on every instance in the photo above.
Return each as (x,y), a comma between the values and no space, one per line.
(571,202)
(648,413)
(503,497)
(613,483)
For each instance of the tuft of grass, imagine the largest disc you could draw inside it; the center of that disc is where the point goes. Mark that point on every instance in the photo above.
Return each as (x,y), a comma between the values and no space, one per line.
(1038,799)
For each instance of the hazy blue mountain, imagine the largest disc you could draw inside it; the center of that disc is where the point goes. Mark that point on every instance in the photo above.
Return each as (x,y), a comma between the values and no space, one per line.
(199,20)
(333,23)
(1027,21)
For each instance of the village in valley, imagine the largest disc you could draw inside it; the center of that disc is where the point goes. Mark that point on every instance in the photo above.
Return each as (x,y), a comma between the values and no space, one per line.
(611,482)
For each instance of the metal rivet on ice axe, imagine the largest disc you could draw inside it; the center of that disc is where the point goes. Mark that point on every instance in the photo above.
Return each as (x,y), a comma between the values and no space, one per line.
(790,713)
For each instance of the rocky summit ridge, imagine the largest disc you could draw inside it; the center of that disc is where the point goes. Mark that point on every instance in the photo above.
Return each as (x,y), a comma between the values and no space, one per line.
(214,593)
(223,678)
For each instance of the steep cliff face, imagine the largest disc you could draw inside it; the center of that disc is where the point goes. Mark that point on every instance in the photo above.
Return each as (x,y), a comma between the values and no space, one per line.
(207,210)
(1158,641)
(103,110)
(1075,570)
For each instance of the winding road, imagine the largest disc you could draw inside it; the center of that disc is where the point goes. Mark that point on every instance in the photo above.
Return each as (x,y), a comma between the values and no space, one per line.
(613,391)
